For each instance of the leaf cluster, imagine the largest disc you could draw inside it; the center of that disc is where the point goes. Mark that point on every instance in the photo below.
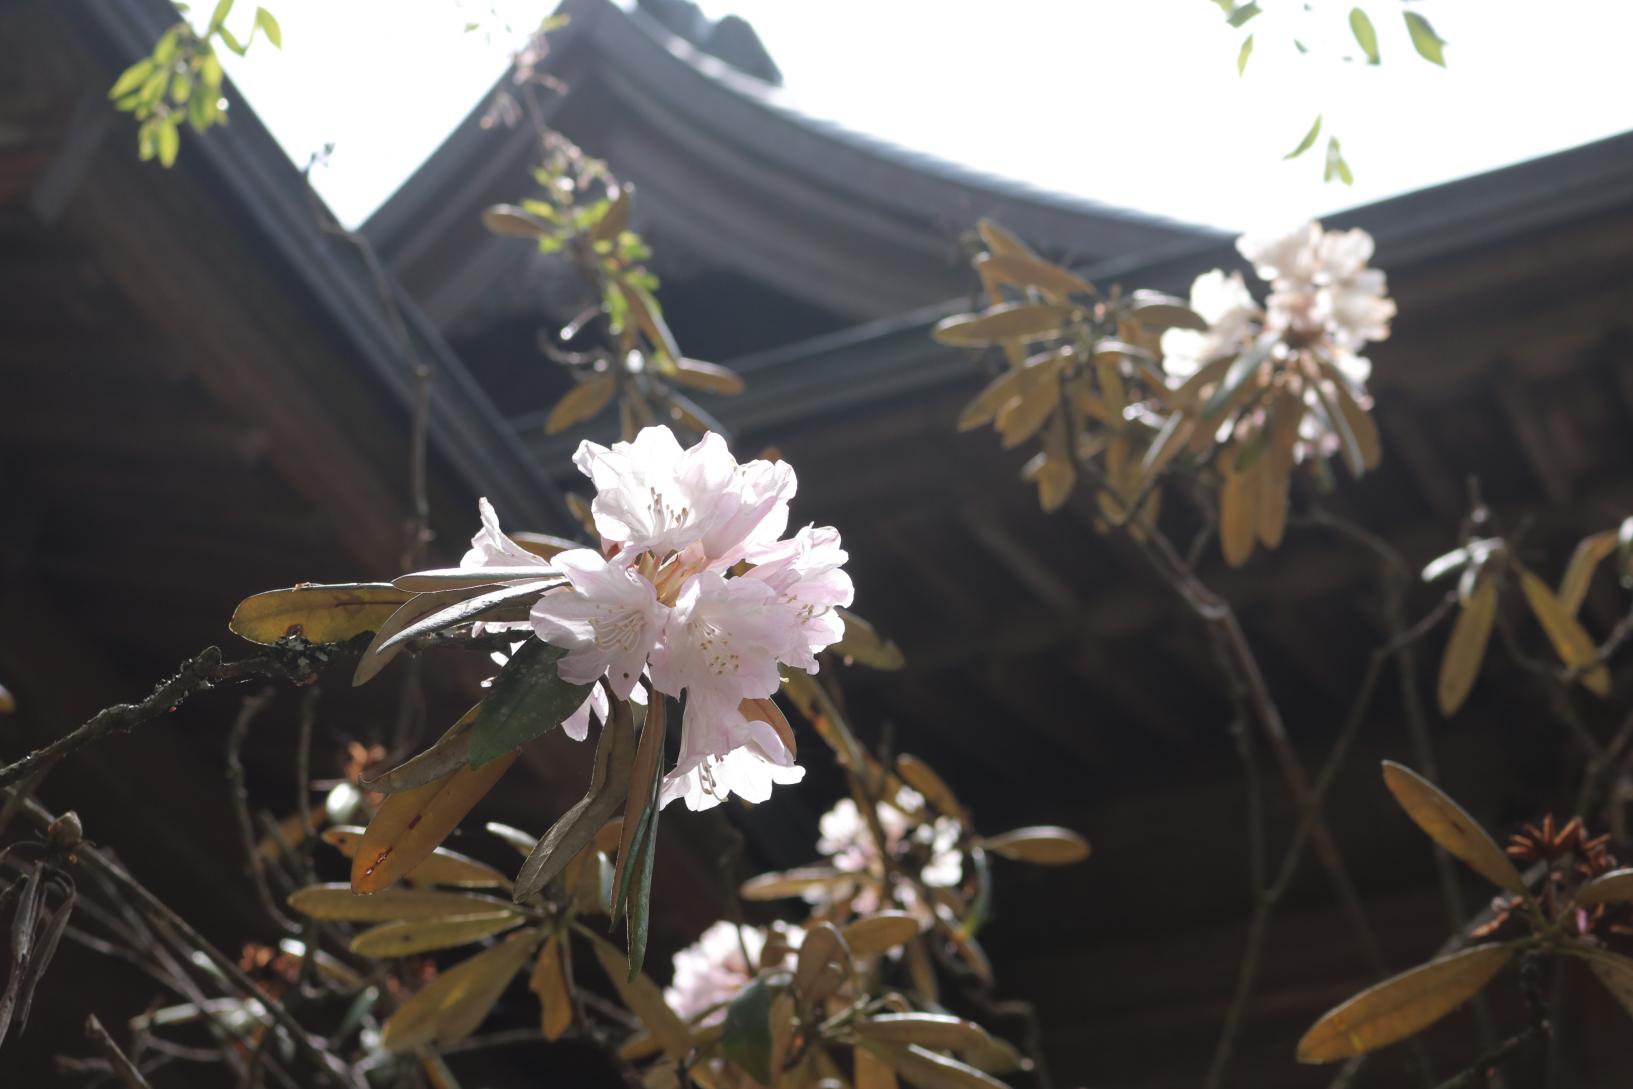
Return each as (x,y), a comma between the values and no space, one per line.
(180,81)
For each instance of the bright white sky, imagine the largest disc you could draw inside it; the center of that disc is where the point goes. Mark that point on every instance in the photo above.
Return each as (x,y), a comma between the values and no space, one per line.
(1130,102)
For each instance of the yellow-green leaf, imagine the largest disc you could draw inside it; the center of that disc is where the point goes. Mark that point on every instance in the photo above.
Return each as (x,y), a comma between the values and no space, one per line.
(918,775)
(644,1000)
(376,656)
(452,1005)
(401,938)
(863,644)
(824,962)
(317,613)
(1466,648)
(584,401)
(928,1070)
(939,1031)
(1402,1006)
(510,221)
(1430,46)
(1615,887)
(708,377)
(550,981)
(449,754)
(338,901)
(1008,320)
(1365,35)
(1571,641)
(1590,552)
(872,1072)
(444,867)
(1034,272)
(874,934)
(1041,845)
(1450,825)
(789,883)
(1308,142)
(1238,513)
(1001,242)
(1615,972)
(411,824)
(1022,418)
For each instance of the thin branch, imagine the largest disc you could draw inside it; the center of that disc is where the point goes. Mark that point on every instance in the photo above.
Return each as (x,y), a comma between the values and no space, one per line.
(1258,927)
(253,705)
(122,1067)
(327,1067)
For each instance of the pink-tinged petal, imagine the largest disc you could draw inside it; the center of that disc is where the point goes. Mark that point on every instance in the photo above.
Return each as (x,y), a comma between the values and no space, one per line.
(491,547)
(608,621)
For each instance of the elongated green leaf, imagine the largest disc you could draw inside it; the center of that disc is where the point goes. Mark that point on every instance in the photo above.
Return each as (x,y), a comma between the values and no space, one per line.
(1403,1005)
(1366,36)
(338,901)
(862,643)
(131,78)
(1023,320)
(527,699)
(824,962)
(1337,166)
(644,1000)
(1430,46)
(1614,971)
(317,613)
(448,578)
(508,602)
(1590,552)
(269,27)
(452,1005)
(444,867)
(609,780)
(1042,845)
(638,839)
(1615,887)
(410,825)
(929,1070)
(1308,142)
(939,1031)
(1466,649)
(399,939)
(1450,825)
(376,656)
(1243,368)
(874,934)
(1571,641)
(789,883)
(447,756)
(745,1038)
(1243,54)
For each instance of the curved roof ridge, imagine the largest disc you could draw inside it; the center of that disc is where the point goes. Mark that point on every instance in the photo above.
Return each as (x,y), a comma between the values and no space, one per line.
(612,25)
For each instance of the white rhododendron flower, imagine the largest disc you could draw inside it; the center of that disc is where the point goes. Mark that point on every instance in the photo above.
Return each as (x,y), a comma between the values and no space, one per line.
(845,840)
(1322,297)
(1320,287)
(709,972)
(695,586)
(1224,302)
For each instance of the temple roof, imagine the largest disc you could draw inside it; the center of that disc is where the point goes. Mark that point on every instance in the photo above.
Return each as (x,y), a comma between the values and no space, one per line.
(733,177)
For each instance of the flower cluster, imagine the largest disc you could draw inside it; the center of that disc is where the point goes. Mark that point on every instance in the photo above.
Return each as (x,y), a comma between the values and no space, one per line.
(696,587)
(1322,296)
(929,844)
(711,971)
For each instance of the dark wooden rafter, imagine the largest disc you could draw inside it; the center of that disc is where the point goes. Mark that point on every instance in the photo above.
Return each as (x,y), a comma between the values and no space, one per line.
(990,527)
(1541,454)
